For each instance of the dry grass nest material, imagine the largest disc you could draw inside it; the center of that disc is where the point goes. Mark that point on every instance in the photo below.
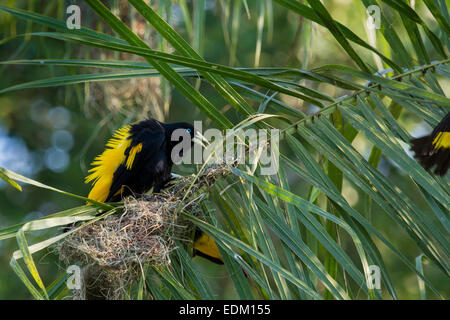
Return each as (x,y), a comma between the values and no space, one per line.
(116,247)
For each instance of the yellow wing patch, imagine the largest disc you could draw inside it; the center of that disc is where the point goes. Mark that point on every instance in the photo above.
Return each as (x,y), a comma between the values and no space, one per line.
(206,245)
(106,164)
(442,140)
(132,154)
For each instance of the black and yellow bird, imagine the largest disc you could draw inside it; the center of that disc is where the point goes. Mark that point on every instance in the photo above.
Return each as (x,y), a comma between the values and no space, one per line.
(138,158)
(434,149)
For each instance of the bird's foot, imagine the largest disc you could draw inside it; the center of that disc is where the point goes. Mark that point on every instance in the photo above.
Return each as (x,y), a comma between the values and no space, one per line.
(146,197)
(175,176)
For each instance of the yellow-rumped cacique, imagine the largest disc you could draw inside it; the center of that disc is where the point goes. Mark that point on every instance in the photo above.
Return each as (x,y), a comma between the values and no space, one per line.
(138,158)
(434,149)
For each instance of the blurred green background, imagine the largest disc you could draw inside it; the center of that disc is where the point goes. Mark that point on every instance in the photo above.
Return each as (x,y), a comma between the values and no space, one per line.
(52,134)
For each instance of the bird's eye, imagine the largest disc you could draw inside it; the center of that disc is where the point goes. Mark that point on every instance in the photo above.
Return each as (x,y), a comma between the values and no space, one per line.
(188,130)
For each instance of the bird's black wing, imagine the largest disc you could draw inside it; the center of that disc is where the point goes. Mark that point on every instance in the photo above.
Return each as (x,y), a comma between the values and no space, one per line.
(434,149)
(132,175)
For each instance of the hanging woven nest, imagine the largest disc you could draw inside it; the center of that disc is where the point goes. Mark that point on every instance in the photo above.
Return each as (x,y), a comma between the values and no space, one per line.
(112,251)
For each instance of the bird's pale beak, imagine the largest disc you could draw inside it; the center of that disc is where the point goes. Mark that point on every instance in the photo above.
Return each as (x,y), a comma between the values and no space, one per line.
(198,138)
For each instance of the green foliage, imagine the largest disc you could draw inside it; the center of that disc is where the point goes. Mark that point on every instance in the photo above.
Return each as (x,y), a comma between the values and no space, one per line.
(279,240)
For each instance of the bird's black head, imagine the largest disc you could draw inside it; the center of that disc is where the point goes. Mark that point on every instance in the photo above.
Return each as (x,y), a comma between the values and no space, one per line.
(178,129)
(179,135)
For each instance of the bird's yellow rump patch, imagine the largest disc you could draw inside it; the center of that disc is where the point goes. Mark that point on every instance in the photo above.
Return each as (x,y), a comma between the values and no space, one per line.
(206,245)
(106,164)
(442,140)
